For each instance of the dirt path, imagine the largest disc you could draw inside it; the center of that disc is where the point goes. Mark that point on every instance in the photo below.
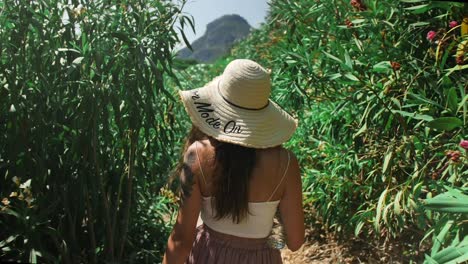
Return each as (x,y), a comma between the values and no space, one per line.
(323,247)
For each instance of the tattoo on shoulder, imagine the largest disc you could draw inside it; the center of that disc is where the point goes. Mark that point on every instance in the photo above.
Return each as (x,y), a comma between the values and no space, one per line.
(187,176)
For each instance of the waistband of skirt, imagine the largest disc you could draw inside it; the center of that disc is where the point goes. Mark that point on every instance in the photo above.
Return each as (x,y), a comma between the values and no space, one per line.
(244,242)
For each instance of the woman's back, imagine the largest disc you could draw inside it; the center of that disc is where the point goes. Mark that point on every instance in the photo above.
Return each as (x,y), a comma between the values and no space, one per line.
(267,179)
(274,180)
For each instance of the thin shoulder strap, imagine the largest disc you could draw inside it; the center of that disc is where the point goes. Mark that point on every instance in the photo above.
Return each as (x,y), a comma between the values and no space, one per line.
(282,178)
(199,163)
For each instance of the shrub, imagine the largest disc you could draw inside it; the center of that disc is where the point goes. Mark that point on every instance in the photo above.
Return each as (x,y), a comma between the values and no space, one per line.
(379,102)
(86,129)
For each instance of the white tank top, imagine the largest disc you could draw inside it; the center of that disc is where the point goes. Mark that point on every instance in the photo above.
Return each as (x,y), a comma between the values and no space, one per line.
(258,222)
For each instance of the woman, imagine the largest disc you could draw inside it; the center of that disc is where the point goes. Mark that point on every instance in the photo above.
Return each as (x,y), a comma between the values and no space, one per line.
(235,173)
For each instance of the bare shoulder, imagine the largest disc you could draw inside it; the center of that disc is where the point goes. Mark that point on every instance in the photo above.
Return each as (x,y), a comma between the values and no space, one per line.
(202,148)
(202,153)
(196,155)
(291,155)
(282,151)
(293,170)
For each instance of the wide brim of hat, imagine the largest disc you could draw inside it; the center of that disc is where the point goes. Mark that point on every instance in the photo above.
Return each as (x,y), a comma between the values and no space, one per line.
(215,116)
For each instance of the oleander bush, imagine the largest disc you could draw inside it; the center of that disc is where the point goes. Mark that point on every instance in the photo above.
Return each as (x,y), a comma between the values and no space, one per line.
(380,90)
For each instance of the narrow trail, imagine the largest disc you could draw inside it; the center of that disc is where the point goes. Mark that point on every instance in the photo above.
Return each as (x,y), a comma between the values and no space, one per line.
(324,248)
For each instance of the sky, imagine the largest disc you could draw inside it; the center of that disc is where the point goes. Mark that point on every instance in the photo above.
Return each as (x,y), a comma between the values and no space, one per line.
(205,11)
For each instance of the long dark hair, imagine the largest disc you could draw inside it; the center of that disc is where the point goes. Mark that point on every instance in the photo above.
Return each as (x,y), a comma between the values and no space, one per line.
(232,173)
(234,166)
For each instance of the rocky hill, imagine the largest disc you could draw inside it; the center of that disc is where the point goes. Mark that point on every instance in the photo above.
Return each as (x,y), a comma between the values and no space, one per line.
(220,35)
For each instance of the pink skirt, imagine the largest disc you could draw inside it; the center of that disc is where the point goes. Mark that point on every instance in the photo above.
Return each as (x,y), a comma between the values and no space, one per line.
(211,247)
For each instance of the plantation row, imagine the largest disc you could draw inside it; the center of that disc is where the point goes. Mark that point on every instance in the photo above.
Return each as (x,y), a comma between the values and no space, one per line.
(91,126)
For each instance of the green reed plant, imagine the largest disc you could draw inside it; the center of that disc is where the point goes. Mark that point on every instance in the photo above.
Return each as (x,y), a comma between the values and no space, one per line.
(450,233)
(86,128)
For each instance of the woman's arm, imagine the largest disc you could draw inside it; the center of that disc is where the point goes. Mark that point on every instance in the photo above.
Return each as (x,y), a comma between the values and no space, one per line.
(292,214)
(181,239)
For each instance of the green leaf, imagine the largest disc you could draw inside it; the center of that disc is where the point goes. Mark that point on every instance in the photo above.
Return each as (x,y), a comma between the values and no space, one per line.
(456,68)
(419,9)
(440,238)
(383,66)
(452,201)
(72,50)
(414,115)
(351,77)
(450,254)
(385,212)
(332,57)
(379,209)
(421,242)
(184,38)
(32,256)
(11,212)
(452,99)
(77,61)
(358,21)
(334,76)
(396,102)
(419,24)
(7,241)
(462,259)
(358,44)
(75,64)
(464,242)
(191,22)
(421,98)
(358,228)
(396,204)
(448,206)
(348,61)
(445,123)
(462,103)
(387,159)
(361,130)
(455,193)
(413,1)
(429,260)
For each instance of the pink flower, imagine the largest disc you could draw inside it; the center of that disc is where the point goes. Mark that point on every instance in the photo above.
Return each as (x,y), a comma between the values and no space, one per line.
(464,144)
(453,24)
(431,35)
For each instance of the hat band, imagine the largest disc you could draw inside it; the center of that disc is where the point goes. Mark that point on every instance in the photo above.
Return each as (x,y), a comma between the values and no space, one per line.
(242,107)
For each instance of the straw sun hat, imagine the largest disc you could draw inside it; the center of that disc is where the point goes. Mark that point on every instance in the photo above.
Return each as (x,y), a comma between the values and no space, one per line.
(235,108)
